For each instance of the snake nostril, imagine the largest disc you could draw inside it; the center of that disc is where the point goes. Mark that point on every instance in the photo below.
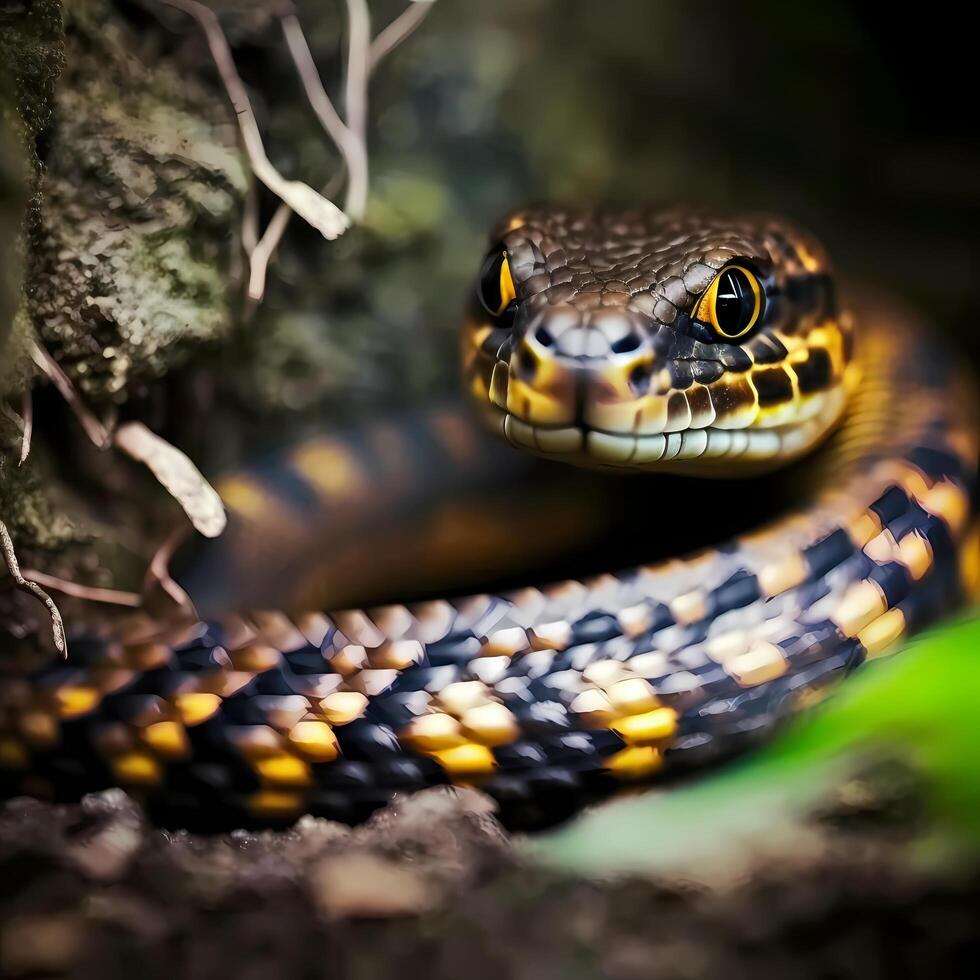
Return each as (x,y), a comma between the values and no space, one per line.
(639,379)
(626,343)
(527,364)
(544,337)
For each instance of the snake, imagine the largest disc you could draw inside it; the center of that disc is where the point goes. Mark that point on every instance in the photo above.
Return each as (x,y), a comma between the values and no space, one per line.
(697,347)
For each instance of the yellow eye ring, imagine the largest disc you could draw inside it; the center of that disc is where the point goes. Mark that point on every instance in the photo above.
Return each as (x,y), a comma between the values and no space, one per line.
(732,304)
(507,291)
(496,287)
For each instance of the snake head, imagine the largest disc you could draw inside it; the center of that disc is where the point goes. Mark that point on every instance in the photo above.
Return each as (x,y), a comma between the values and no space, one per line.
(656,340)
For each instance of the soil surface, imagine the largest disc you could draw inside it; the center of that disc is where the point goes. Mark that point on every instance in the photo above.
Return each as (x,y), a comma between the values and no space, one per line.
(433,887)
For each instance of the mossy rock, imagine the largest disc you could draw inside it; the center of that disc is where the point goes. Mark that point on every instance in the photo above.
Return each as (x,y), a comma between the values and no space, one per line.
(133,264)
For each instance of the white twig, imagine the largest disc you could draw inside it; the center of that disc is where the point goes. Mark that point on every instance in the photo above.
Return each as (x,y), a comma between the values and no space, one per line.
(172,468)
(356,91)
(322,214)
(27,411)
(266,246)
(352,150)
(10,557)
(350,146)
(250,219)
(176,474)
(264,249)
(399,29)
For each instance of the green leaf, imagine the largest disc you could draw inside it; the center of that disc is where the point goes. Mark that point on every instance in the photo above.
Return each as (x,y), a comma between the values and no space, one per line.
(922,707)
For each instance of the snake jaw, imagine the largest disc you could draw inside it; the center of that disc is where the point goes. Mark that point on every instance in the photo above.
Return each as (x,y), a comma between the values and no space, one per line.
(592,410)
(708,451)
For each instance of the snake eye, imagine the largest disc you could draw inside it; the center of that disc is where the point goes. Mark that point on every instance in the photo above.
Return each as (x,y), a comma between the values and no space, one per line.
(496,286)
(732,305)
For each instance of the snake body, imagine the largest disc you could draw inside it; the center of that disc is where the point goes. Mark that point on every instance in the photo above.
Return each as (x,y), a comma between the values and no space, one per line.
(605,340)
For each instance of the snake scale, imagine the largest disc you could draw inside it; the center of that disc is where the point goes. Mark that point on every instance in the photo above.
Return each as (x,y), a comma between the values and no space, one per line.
(665,340)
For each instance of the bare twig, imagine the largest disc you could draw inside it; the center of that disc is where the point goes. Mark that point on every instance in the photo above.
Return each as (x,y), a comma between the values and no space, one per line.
(8,413)
(89,593)
(94,429)
(10,557)
(400,28)
(27,412)
(356,90)
(177,474)
(159,572)
(250,219)
(266,246)
(322,214)
(264,249)
(353,150)
(350,146)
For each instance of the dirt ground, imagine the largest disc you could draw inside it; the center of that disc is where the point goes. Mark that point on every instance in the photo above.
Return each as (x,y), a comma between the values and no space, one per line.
(433,887)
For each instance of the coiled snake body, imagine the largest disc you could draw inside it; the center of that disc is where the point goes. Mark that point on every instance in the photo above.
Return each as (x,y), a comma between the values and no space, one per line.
(643,340)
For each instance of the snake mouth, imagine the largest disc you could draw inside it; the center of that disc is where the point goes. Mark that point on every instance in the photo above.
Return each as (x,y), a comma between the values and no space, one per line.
(684,451)
(587,415)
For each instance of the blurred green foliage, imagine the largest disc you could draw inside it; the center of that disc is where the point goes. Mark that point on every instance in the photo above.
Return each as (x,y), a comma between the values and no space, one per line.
(918,709)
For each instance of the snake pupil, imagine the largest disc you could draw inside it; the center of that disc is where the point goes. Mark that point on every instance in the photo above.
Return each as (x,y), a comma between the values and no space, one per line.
(735,304)
(496,287)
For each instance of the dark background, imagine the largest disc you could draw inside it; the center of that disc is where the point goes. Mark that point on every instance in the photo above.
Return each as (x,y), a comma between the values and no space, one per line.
(855,119)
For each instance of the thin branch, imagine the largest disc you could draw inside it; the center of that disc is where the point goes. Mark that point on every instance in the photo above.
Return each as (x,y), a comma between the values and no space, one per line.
(159,573)
(94,429)
(250,219)
(398,30)
(176,474)
(322,214)
(356,91)
(89,593)
(264,249)
(173,469)
(353,151)
(266,246)
(350,146)
(27,412)
(11,416)
(10,557)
